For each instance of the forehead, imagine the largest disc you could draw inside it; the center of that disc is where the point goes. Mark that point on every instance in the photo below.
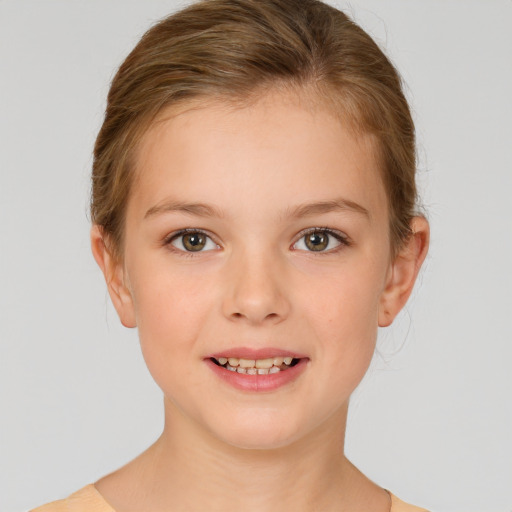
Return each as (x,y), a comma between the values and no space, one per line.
(278,149)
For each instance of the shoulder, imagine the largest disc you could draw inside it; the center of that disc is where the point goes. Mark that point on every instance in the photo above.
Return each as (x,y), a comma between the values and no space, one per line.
(87,499)
(397,505)
(54,506)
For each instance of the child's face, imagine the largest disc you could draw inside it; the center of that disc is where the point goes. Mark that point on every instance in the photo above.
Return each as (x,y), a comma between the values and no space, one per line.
(286,253)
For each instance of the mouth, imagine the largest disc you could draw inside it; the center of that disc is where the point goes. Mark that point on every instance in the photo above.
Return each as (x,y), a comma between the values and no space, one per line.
(267,366)
(255,370)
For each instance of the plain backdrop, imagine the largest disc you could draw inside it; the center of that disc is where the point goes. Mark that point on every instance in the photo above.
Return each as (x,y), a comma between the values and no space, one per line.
(432,421)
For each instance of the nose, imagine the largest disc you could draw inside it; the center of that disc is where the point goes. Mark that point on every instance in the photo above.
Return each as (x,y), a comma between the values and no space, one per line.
(255,290)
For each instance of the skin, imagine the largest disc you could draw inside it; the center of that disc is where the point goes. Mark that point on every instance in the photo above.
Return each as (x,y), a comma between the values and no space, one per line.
(255,284)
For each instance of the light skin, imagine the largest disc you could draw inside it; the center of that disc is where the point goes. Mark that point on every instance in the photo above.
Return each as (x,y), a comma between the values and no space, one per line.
(255,182)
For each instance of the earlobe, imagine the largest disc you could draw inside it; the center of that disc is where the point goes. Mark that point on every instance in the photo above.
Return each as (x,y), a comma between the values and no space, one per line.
(114,274)
(403,272)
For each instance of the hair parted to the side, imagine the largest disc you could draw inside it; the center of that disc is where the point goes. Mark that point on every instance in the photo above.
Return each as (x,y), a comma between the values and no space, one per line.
(234,49)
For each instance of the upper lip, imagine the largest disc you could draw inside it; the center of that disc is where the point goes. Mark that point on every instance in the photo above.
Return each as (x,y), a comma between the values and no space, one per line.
(256,353)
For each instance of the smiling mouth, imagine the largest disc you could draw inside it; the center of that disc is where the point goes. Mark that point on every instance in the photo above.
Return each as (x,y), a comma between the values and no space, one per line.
(256,366)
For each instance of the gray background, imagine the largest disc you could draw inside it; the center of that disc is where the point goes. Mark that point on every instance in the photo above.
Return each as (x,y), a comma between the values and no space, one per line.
(433,419)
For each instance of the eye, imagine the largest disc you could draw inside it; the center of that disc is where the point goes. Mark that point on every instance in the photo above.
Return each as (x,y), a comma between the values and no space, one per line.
(320,240)
(192,241)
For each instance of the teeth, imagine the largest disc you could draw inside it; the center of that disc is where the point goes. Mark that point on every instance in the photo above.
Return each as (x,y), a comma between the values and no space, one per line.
(247,363)
(255,366)
(264,363)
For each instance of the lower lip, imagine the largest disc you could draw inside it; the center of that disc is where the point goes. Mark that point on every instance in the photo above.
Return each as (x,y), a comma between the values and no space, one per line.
(259,383)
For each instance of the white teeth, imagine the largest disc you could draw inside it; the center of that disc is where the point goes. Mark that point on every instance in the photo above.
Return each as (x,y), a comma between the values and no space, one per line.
(247,363)
(288,360)
(263,371)
(241,370)
(223,360)
(251,371)
(230,368)
(233,361)
(274,369)
(278,361)
(264,363)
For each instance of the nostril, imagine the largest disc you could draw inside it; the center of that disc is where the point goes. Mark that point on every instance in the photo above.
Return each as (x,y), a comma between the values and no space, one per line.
(241,315)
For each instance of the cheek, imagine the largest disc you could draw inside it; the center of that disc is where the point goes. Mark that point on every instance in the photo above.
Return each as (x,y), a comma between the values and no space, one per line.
(346,300)
(171,311)
(344,316)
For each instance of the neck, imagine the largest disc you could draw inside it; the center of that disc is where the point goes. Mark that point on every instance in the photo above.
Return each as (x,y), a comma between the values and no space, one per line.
(190,469)
(261,479)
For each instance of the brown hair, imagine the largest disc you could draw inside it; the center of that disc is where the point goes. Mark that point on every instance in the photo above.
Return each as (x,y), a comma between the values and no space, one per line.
(232,49)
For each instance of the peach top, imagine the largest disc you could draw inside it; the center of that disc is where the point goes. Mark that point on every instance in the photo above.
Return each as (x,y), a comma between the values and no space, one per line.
(88,499)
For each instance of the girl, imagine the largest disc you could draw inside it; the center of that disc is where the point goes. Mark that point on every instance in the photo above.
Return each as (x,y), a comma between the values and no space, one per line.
(254,216)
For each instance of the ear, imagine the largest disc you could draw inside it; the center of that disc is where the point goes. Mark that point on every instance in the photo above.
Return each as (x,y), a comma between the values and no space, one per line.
(115,277)
(403,272)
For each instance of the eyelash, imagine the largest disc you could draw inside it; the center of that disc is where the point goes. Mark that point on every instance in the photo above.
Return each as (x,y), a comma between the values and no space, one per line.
(338,235)
(174,236)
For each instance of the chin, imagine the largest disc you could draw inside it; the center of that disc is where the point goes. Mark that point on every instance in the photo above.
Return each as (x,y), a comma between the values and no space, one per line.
(270,433)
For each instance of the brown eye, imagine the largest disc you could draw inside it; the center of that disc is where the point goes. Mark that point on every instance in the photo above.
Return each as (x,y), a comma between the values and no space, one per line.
(316,241)
(193,241)
(321,240)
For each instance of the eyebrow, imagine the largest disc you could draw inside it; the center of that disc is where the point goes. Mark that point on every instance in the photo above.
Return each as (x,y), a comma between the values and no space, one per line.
(304,210)
(197,209)
(339,204)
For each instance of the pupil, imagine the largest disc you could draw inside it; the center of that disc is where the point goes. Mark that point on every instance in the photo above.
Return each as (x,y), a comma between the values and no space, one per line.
(317,241)
(194,241)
